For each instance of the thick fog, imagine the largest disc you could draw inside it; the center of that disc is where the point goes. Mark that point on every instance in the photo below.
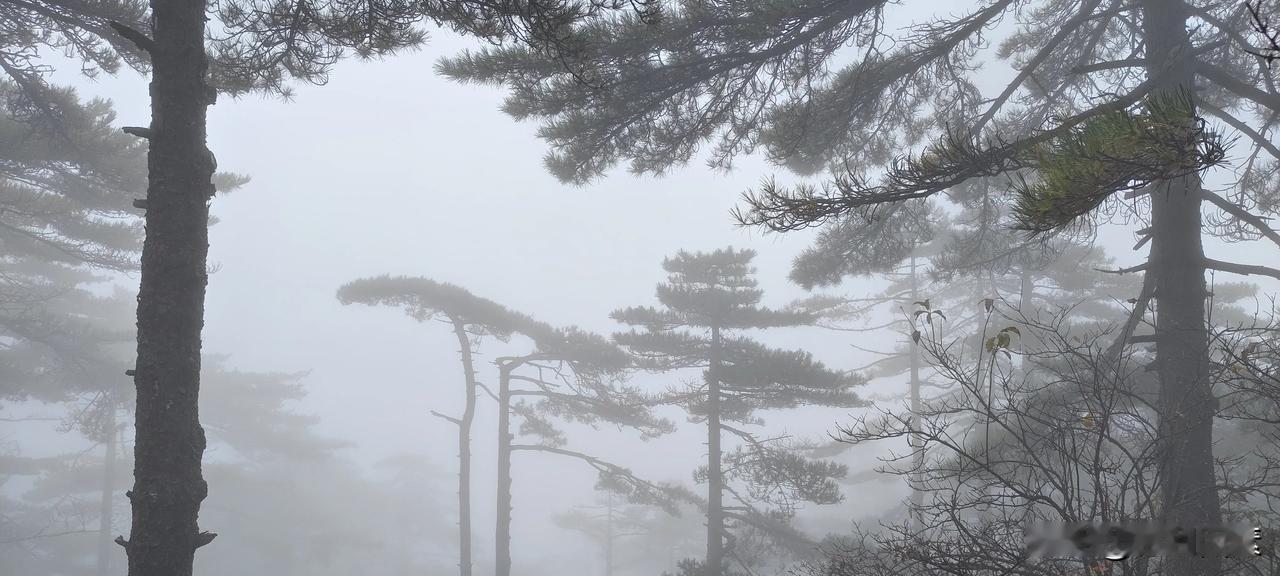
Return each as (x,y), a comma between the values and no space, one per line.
(331,446)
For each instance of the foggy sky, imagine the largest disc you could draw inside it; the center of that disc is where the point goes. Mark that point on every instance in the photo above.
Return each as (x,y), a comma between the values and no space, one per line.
(390,169)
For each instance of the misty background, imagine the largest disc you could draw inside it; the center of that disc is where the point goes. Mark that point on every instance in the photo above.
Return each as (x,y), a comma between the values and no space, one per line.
(392,169)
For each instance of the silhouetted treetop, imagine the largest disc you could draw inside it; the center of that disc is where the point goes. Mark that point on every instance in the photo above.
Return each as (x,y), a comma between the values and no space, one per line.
(706,289)
(718,290)
(587,352)
(425,299)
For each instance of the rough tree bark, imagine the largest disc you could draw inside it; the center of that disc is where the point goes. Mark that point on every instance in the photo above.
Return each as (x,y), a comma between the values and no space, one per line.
(1186,405)
(464,451)
(715,512)
(168,486)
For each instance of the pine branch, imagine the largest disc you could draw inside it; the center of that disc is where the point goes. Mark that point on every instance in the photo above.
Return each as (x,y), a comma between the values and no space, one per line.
(1141,303)
(1085,14)
(951,161)
(1239,88)
(1129,270)
(1253,220)
(664,496)
(487,390)
(1261,141)
(1242,269)
(1262,25)
(446,417)
(1109,65)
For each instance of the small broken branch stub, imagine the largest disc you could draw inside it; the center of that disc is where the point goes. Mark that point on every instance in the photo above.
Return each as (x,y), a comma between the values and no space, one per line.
(445,417)
(204,538)
(139,39)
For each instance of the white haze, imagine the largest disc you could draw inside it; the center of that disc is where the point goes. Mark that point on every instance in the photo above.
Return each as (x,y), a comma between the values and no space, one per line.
(391,169)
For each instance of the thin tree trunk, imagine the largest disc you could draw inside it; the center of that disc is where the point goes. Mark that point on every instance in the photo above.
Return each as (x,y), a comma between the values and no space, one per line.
(106,509)
(715,513)
(464,452)
(168,486)
(1186,406)
(917,474)
(502,540)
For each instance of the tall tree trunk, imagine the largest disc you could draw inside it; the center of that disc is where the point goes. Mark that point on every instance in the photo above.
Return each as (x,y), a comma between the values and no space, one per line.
(168,486)
(917,459)
(106,508)
(1186,406)
(502,540)
(464,452)
(715,480)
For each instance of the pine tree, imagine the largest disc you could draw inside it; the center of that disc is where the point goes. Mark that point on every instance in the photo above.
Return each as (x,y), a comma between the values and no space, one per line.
(65,224)
(708,297)
(471,318)
(78,28)
(1112,105)
(260,46)
(573,376)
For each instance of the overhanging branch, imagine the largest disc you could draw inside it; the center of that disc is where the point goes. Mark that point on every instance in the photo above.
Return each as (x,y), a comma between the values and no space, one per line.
(1253,220)
(952,161)
(1242,269)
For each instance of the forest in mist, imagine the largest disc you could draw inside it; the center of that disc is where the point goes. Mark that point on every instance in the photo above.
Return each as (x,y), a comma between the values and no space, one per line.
(639,288)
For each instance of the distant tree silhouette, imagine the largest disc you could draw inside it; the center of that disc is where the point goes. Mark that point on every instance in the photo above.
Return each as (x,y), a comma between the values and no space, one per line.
(706,298)
(575,376)
(471,318)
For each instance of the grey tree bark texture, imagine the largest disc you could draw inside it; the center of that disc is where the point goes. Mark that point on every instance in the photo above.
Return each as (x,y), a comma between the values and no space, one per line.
(168,485)
(1176,261)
